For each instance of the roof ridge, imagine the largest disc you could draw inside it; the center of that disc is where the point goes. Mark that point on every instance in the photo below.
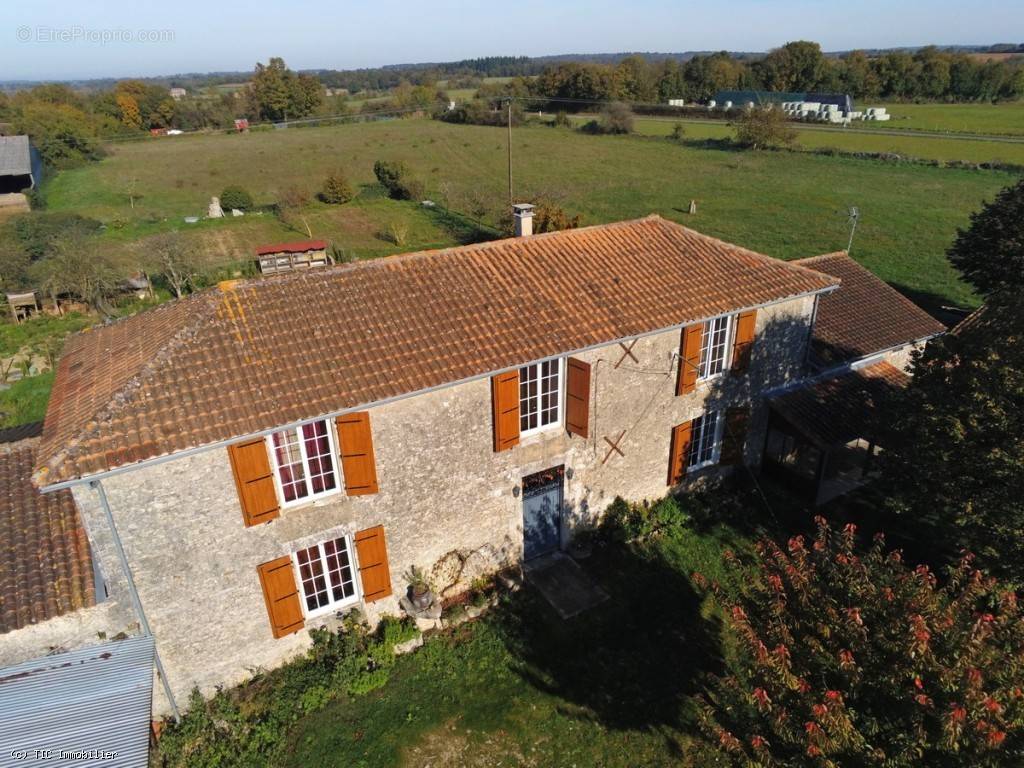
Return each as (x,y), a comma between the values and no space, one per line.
(819,257)
(791,263)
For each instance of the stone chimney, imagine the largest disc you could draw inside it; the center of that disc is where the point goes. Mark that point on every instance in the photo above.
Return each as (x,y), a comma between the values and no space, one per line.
(522,219)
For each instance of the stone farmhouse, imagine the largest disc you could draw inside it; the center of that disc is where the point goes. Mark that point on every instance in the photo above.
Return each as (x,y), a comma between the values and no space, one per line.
(270,453)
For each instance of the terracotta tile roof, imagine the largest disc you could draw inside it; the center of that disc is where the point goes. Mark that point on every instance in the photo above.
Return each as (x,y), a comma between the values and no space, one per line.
(865,316)
(840,409)
(977,318)
(45,563)
(300,246)
(260,354)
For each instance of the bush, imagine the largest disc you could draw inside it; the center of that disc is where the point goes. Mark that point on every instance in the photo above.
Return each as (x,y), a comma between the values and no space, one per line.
(562,120)
(678,132)
(396,179)
(762,128)
(236,197)
(248,725)
(852,658)
(617,118)
(336,189)
(624,521)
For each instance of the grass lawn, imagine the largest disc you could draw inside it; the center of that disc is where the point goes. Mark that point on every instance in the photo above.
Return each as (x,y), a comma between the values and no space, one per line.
(924,147)
(999,119)
(612,687)
(784,204)
(26,400)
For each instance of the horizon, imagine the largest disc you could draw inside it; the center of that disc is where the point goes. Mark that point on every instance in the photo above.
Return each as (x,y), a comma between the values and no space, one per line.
(55,40)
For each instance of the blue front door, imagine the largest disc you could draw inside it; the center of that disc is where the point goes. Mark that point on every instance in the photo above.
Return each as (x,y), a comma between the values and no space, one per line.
(542,512)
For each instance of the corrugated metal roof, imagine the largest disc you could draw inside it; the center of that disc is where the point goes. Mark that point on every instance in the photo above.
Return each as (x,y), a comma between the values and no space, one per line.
(15,158)
(96,698)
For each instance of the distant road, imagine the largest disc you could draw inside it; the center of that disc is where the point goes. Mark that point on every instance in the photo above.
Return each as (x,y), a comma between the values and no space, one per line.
(839,129)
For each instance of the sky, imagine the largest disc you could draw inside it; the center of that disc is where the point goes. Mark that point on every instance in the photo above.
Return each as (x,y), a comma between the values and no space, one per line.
(60,39)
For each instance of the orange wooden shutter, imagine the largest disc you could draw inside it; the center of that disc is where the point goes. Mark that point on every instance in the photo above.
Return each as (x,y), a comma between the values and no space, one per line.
(355,444)
(505,402)
(282,596)
(679,452)
(689,358)
(577,397)
(372,554)
(254,480)
(744,340)
(735,438)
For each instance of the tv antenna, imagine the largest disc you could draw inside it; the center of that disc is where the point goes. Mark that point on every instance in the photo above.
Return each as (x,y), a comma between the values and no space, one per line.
(854,217)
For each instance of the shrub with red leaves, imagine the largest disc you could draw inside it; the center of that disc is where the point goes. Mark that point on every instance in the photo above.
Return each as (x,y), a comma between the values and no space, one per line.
(848,657)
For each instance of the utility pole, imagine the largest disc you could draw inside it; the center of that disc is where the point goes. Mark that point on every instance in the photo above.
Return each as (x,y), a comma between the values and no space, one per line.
(511,200)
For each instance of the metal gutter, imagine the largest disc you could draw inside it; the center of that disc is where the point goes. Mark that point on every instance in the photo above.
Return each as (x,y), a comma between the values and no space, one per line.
(396,398)
(136,600)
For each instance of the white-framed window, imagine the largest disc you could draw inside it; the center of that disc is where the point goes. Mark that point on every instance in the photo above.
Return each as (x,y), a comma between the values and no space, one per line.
(304,462)
(327,576)
(714,347)
(540,396)
(705,440)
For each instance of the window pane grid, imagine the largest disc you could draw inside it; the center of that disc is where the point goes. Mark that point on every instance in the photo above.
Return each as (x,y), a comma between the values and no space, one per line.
(540,395)
(326,574)
(714,344)
(290,466)
(305,461)
(704,432)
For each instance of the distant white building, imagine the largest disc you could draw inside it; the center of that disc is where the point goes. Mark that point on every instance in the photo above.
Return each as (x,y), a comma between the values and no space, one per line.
(178,93)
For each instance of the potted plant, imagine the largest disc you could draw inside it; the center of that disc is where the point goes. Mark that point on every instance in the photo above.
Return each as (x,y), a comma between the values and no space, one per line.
(419,589)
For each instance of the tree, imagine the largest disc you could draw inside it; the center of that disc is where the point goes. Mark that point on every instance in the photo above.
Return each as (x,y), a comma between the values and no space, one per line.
(277,93)
(63,134)
(129,110)
(796,66)
(234,196)
(76,266)
(336,189)
(851,658)
(395,177)
(175,259)
(990,252)
(955,440)
(764,127)
(290,206)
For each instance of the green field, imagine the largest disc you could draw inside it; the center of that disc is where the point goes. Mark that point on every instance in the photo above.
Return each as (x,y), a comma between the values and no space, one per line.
(997,119)
(924,147)
(785,204)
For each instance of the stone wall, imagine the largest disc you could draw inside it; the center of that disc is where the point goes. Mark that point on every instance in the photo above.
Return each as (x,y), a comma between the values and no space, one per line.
(445,496)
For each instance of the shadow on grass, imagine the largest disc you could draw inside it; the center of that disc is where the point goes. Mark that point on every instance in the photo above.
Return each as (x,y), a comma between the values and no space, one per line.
(628,664)
(464,229)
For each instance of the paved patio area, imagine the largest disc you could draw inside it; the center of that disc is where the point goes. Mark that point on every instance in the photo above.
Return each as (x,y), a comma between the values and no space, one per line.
(565,585)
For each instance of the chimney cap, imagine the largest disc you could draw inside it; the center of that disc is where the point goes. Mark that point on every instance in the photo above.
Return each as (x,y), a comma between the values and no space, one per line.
(522,209)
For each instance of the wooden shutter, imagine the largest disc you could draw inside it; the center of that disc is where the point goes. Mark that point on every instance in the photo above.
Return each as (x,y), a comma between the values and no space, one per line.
(577,397)
(505,403)
(689,358)
(254,480)
(282,596)
(372,553)
(355,444)
(743,342)
(735,437)
(679,452)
